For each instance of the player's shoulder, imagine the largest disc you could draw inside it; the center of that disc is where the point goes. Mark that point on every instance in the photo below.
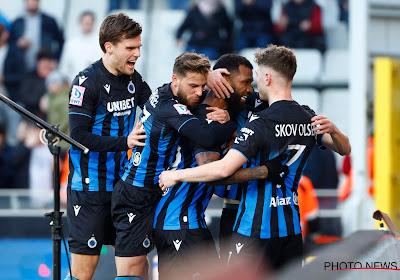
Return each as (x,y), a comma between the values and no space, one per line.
(254,103)
(88,76)
(161,100)
(136,76)
(308,109)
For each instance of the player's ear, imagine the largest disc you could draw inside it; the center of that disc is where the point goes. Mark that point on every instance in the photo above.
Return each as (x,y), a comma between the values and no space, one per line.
(268,78)
(109,47)
(175,80)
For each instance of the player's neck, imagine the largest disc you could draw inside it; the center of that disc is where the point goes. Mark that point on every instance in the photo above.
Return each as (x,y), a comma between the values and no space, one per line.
(108,64)
(279,94)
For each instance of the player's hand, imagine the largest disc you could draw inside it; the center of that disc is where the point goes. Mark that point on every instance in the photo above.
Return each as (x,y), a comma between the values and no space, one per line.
(277,171)
(218,84)
(323,125)
(137,134)
(167,179)
(218,115)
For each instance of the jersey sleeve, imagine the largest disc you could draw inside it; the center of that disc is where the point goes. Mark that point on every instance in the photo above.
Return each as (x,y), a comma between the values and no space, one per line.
(201,114)
(83,101)
(174,114)
(251,137)
(83,98)
(318,137)
(181,119)
(143,92)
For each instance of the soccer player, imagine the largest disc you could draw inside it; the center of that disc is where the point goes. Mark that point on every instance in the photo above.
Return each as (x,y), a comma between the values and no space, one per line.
(180,227)
(166,116)
(268,217)
(102,106)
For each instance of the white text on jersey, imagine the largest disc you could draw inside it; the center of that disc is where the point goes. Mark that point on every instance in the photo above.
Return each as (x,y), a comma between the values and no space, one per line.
(285,130)
(276,201)
(120,105)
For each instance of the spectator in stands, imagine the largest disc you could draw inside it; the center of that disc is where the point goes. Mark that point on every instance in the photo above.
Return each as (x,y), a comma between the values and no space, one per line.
(6,170)
(20,157)
(118,4)
(178,4)
(210,28)
(300,25)
(4,21)
(33,84)
(80,51)
(7,115)
(40,169)
(4,34)
(53,103)
(256,24)
(344,11)
(29,33)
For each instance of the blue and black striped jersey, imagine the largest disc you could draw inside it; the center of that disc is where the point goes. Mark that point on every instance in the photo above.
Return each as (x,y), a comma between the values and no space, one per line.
(269,210)
(253,104)
(183,206)
(101,113)
(165,120)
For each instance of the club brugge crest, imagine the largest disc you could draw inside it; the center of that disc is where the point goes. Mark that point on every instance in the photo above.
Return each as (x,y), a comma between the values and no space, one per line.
(146,242)
(92,242)
(131,87)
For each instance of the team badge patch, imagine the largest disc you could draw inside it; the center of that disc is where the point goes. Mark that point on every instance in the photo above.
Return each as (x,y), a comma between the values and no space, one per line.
(131,87)
(182,109)
(92,242)
(77,93)
(146,242)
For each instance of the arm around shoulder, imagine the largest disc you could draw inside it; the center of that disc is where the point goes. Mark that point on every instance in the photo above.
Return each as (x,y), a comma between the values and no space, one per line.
(333,138)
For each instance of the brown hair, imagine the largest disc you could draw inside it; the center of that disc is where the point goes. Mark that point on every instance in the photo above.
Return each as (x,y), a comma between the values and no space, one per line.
(117,27)
(191,62)
(279,58)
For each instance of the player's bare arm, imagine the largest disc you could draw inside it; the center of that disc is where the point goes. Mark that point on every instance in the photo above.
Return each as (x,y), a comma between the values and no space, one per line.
(273,170)
(244,175)
(204,158)
(137,134)
(333,139)
(213,171)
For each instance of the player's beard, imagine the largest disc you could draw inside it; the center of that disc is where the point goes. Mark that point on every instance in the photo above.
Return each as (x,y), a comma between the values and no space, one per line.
(234,104)
(185,100)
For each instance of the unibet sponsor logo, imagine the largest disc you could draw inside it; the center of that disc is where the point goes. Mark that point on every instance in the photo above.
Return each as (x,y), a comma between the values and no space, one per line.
(120,105)
(286,130)
(277,201)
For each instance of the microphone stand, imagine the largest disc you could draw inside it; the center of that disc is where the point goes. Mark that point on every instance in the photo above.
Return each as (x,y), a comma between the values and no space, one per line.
(52,135)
